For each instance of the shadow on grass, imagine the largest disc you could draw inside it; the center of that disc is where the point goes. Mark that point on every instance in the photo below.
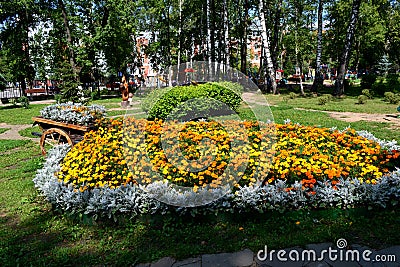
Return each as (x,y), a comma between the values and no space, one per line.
(51,239)
(326,89)
(11,106)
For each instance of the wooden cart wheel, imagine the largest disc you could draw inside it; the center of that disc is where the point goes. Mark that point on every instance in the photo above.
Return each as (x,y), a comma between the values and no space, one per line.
(53,137)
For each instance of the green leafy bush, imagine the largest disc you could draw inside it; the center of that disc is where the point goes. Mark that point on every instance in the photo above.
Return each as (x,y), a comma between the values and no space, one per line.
(24,101)
(184,102)
(368,80)
(362,99)
(392,98)
(324,99)
(95,95)
(292,95)
(58,98)
(367,93)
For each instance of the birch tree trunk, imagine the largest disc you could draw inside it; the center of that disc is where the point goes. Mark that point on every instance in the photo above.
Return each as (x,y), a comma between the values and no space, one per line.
(179,39)
(275,39)
(209,38)
(344,59)
(297,63)
(267,48)
(226,33)
(318,79)
(212,29)
(243,48)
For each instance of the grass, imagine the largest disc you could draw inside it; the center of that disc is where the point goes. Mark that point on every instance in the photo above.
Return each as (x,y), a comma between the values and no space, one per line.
(138,114)
(348,104)
(114,102)
(379,129)
(28,132)
(6,145)
(19,115)
(31,233)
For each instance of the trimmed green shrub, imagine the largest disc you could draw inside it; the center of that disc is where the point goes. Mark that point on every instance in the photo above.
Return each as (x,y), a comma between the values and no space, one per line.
(367,93)
(57,98)
(185,102)
(24,101)
(362,99)
(95,95)
(392,98)
(292,95)
(324,99)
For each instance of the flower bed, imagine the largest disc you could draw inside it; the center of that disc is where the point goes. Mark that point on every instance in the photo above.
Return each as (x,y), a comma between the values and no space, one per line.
(304,154)
(109,172)
(74,113)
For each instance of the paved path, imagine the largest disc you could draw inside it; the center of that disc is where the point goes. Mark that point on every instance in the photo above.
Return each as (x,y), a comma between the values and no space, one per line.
(13,134)
(247,258)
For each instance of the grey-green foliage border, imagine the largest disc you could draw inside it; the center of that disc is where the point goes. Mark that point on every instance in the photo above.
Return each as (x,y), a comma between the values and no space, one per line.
(132,200)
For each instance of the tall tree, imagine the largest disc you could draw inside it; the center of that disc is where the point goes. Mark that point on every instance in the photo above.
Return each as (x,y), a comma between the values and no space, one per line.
(69,39)
(344,59)
(318,79)
(209,40)
(243,37)
(267,47)
(393,36)
(298,10)
(226,32)
(17,19)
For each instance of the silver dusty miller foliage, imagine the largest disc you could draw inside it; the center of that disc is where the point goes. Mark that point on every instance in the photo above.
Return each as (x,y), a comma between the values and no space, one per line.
(133,200)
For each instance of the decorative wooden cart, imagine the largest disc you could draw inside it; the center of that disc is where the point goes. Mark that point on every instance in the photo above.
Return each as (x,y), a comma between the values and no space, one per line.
(55,133)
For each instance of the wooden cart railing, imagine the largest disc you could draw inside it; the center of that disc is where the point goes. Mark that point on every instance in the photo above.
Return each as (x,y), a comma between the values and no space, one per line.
(54,133)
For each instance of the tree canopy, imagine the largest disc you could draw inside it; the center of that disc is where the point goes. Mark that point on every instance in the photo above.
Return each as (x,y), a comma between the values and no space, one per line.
(82,40)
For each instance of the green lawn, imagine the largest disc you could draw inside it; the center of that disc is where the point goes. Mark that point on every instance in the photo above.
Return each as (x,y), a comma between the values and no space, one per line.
(114,102)
(19,115)
(28,131)
(379,129)
(349,103)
